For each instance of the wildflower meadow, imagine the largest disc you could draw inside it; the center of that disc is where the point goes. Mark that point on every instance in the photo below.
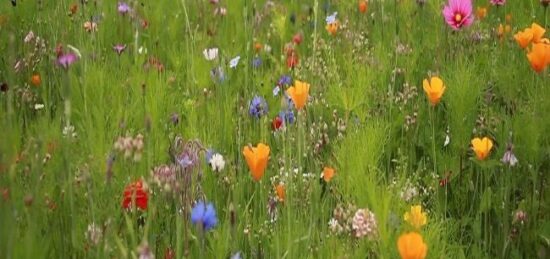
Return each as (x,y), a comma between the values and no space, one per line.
(275,129)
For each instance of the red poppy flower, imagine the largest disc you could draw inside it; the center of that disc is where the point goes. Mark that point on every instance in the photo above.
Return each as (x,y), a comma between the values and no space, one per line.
(136,193)
(277,123)
(297,38)
(292,60)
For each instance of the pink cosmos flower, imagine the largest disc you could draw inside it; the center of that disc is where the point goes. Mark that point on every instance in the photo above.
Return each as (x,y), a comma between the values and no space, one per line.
(498,2)
(458,14)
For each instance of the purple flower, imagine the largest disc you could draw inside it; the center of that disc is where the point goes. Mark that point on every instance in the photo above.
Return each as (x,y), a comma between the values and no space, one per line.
(258,107)
(285,80)
(209,153)
(498,2)
(256,62)
(509,158)
(123,8)
(119,48)
(458,14)
(204,215)
(217,74)
(287,116)
(66,60)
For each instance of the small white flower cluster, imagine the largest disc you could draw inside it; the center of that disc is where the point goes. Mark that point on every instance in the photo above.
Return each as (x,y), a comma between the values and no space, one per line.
(69,131)
(129,146)
(94,234)
(217,162)
(364,224)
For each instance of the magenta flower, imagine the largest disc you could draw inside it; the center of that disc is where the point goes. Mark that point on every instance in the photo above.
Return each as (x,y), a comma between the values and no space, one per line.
(123,8)
(66,60)
(119,48)
(498,2)
(458,14)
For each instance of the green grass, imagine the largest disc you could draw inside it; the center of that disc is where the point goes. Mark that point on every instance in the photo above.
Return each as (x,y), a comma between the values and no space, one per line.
(368,118)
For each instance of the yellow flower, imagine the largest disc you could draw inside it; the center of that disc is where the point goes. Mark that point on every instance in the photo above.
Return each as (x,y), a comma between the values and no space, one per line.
(482,147)
(416,217)
(412,246)
(256,158)
(434,89)
(299,93)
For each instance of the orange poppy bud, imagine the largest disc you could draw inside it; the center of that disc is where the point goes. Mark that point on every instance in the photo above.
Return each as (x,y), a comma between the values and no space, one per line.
(36,80)
(258,46)
(481,12)
(363,6)
(280,191)
(328,173)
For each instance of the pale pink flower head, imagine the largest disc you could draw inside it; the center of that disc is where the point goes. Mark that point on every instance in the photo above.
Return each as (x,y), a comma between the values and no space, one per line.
(458,14)
(498,2)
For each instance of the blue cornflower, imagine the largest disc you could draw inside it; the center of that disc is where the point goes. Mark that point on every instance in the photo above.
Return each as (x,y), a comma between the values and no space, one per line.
(256,62)
(258,107)
(217,74)
(285,80)
(205,215)
(287,116)
(209,153)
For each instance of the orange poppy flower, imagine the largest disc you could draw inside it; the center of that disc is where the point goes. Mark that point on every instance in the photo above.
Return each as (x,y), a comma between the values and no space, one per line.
(328,173)
(523,38)
(539,56)
(434,89)
(332,28)
(363,6)
(412,246)
(256,158)
(538,32)
(280,191)
(36,80)
(299,93)
(258,46)
(482,147)
(481,12)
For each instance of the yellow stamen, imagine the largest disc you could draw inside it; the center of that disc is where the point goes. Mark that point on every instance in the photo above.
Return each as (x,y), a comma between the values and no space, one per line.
(458,17)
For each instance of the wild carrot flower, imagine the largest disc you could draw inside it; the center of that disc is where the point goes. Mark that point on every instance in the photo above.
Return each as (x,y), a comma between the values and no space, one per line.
(204,215)
(217,162)
(498,2)
(210,54)
(299,93)
(482,147)
(412,246)
(458,14)
(257,107)
(256,158)
(328,174)
(415,217)
(434,89)
(364,224)
(135,194)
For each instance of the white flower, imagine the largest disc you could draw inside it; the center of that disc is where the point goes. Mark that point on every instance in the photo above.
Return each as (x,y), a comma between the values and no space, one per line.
(276,90)
(234,62)
(142,50)
(331,18)
(69,131)
(210,54)
(29,37)
(217,162)
(447,140)
(39,106)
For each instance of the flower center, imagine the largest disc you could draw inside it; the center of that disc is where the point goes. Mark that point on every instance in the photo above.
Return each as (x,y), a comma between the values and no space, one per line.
(458,17)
